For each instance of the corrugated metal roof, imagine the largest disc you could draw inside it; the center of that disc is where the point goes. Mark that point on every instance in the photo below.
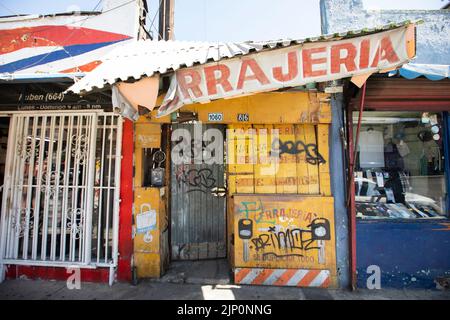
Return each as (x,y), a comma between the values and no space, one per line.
(430,71)
(137,59)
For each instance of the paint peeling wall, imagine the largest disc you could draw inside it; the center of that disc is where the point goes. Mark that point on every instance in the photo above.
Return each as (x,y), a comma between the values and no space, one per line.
(433,42)
(408,254)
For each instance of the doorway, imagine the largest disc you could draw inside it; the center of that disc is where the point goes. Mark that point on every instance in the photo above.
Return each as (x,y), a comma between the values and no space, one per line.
(198,194)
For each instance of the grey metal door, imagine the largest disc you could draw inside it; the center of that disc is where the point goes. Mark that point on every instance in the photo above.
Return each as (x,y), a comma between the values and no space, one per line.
(198,228)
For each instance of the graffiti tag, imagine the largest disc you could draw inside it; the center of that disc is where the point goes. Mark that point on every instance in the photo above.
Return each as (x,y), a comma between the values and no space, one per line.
(290,147)
(290,242)
(197,179)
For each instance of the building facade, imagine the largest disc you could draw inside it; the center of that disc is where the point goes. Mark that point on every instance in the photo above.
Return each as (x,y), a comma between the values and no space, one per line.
(61,168)
(400,197)
(86,188)
(269,202)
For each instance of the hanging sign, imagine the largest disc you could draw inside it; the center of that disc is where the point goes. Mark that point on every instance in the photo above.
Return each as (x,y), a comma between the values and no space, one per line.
(289,67)
(49,96)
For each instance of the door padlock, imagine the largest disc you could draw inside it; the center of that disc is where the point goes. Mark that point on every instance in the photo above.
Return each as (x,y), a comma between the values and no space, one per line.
(245,228)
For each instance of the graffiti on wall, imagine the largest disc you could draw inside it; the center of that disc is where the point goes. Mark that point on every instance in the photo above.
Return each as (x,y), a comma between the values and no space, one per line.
(312,155)
(276,232)
(195,179)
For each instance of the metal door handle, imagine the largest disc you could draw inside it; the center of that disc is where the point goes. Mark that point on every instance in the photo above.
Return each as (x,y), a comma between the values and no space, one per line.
(219,191)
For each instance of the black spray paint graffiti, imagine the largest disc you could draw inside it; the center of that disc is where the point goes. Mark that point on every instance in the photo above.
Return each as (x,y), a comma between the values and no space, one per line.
(290,147)
(197,179)
(288,242)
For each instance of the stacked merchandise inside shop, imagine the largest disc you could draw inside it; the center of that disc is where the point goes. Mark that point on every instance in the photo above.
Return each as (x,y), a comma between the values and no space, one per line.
(400,166)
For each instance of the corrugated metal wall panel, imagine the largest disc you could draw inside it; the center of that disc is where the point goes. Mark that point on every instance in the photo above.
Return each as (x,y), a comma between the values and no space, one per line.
(198,217)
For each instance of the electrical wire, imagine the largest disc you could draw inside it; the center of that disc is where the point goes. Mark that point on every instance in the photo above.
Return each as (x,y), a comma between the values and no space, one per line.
(82,19)
(62,45)
(154,18)
(67,52)
(8,9)
(62,25)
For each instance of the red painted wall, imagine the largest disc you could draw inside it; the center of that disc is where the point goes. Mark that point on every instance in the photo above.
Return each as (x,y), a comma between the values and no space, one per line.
(56,273)
(126,204)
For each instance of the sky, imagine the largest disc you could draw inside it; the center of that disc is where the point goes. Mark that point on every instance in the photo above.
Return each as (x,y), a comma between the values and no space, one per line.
(230,20)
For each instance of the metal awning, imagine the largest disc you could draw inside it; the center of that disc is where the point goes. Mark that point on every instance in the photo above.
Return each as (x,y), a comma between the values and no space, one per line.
(134,60)
(430,71)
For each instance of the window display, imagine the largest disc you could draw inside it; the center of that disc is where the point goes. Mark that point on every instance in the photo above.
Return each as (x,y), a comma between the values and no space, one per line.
(399,170)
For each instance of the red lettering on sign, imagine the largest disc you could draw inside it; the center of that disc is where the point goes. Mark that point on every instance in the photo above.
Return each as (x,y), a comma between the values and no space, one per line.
(292,68)
(385,52)
(258,74)
(376,59)
(212,82)
(364,54)
(348,60)
(193,85)
(309,61)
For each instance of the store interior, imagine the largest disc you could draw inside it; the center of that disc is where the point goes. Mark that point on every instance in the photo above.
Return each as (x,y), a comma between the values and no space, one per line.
(400,167)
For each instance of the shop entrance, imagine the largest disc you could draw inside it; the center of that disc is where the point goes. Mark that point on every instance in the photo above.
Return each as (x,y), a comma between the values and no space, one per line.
(198,223)
(61,190)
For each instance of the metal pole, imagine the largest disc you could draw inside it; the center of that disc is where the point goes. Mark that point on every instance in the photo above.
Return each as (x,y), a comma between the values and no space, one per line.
(352,148)
(89,204)
(166,20)
(117,163)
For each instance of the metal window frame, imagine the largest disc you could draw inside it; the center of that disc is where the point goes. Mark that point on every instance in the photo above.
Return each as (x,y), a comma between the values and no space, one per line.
(115,130)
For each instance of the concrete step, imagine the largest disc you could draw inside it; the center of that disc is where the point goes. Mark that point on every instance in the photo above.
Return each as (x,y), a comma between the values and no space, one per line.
(211,272)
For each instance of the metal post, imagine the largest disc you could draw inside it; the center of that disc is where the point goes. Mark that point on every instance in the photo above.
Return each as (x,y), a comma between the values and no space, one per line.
(166,20)
(30,190)
(112,275)
(38,188)
(352,148)
(65,200)
(351,199)
(47,193)
(116,209)
(89,205)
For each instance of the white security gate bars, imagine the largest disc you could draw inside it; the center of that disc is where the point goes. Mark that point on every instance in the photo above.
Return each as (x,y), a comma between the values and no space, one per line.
(106,191)
(61,194)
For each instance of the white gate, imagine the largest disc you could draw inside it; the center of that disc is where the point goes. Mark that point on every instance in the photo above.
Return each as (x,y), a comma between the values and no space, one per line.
(60,204)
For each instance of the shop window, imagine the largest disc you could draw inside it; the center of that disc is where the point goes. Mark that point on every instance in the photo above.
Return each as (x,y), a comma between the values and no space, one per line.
(400,169)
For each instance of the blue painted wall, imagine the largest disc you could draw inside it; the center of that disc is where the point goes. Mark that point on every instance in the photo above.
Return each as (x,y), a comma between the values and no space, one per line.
(433,40)
(409,254)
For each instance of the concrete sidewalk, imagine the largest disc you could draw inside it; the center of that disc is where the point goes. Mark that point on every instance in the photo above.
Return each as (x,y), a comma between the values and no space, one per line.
(150,290)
